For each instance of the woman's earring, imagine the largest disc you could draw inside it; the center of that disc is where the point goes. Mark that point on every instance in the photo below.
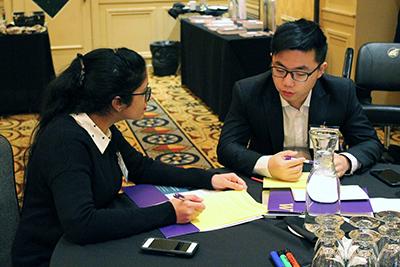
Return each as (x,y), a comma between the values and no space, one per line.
(120,109)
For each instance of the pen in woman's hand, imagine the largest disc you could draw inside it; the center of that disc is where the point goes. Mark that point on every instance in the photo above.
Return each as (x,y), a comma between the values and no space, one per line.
(306,161)
(181,197)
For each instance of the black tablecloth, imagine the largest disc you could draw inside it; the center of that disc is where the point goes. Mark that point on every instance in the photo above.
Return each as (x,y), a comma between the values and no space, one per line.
(243,245)
(212,63)
(26,67)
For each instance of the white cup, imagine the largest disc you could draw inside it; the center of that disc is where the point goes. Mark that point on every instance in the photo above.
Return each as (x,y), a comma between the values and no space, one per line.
(192,5)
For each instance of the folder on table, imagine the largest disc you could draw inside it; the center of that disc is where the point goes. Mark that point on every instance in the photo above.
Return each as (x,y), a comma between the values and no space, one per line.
(281,202)
(223,208)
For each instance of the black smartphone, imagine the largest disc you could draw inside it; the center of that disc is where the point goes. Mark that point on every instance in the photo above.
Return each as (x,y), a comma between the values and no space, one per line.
(388,176)
(169,247)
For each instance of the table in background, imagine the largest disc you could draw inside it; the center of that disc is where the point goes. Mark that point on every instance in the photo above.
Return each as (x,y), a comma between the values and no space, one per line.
(243,245)
(26,67)
(212,63)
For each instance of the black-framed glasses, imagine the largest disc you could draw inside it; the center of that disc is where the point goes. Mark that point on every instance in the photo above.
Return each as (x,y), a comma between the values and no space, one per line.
(147,93)
(297,75)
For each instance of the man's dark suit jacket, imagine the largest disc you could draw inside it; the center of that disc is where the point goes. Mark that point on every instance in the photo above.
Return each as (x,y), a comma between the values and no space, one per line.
(254,124)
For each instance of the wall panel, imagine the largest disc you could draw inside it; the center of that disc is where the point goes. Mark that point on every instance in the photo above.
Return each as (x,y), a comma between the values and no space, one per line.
(122,30)
(338,43)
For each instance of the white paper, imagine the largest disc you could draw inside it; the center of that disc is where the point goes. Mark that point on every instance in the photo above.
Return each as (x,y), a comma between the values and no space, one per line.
(347,192)
(381,204)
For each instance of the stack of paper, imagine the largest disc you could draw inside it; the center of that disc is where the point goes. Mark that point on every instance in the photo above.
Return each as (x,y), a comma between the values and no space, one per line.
(228,208)
(223,208)
(221,24)
(254,34)
(253,25)
(232,31)
(201,19)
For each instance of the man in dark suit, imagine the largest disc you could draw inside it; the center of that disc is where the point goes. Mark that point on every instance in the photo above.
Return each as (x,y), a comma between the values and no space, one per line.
(271,113)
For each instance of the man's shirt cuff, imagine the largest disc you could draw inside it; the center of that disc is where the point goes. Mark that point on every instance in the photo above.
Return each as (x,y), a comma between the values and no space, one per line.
(261,166)
(355,164)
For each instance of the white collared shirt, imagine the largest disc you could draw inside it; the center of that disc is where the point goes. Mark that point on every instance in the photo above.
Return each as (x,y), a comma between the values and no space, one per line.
(99,138)
(295,125)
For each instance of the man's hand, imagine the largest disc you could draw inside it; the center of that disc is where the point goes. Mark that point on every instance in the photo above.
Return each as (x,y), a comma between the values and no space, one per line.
(342,164)
(286,170)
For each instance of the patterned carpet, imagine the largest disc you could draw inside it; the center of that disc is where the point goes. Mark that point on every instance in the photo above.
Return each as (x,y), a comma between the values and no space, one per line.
(189,121)
(162,138)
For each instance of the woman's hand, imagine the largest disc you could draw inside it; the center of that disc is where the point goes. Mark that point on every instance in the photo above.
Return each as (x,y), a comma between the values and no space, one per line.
(187,210)
(228,181)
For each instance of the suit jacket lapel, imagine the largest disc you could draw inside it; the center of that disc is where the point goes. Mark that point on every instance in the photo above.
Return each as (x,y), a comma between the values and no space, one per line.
(274,116)
(318,106)
(318,109)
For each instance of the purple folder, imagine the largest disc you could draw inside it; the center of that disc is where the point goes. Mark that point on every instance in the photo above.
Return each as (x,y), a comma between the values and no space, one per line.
(281,200)
(145,195)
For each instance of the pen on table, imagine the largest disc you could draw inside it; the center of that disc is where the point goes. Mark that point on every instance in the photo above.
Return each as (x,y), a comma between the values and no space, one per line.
(291,258)
(283,258)
(306,161)
(181,197)
(275,258)
(257,179)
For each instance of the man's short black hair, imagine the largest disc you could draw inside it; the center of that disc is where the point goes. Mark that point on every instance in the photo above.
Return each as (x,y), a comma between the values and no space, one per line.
(303,35)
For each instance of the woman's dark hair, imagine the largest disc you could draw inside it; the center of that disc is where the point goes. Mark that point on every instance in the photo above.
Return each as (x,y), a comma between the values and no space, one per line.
(90,84)
(303,35)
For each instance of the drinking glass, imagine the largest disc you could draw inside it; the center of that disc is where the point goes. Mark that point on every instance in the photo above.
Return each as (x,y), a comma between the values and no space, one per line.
(390,254)
(391,219)
(328,254)
(330,221)
(366,249)
(363,234)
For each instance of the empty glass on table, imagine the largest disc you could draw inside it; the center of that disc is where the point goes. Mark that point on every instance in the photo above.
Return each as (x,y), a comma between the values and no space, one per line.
(364,235)
(328,254)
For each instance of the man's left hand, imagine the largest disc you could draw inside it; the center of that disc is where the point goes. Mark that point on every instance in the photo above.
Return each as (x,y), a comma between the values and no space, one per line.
(342,164)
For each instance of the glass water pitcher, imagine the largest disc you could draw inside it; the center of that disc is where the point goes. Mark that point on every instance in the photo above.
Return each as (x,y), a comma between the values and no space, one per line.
(323,186)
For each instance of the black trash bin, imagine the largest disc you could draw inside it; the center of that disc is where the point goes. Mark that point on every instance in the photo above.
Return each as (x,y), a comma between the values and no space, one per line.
(165,57)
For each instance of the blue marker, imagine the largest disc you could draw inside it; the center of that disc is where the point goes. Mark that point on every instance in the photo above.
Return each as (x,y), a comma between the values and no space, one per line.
(275,258)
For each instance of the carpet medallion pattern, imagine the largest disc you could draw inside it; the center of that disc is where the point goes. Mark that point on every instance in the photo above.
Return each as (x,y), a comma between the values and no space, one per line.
(162,139)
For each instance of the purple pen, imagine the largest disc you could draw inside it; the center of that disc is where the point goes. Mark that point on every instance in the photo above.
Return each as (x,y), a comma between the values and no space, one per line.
(181,197)
(306,161)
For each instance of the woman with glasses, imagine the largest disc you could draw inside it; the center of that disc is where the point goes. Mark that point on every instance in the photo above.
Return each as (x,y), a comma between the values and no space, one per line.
(78,158)
(271,113)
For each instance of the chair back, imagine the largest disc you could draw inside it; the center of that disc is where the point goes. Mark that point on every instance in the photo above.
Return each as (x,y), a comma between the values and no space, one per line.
(377,68)
(348,62)
(9,209)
